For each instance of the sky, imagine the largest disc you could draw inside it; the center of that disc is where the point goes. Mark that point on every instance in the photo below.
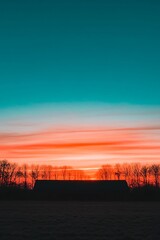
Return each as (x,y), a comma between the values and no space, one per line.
(80,81)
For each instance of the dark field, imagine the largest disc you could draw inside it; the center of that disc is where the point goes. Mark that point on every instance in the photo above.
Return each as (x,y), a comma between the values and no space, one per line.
(79,220)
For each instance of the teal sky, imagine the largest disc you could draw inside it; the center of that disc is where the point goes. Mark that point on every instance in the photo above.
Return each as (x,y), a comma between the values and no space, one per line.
(79,51)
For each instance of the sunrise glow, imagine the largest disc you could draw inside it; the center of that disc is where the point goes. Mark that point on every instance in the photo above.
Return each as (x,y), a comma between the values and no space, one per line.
(81,136)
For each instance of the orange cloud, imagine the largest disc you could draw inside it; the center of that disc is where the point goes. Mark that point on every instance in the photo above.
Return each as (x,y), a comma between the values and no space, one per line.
(74,145)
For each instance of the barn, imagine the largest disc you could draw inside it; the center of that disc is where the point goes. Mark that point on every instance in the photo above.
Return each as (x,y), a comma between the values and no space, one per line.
(80,190)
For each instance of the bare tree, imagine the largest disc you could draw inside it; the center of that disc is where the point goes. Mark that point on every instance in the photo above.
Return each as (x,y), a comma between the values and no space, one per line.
(25,174)
(144,172)
(49,172)
(55,173)
(35,171)
(4,171)
(136,167)
(118,171)
(126,171)
(105,172)
(43,172)
(19,175)
(7,172)
(155,170)
(77,174)
(64,171)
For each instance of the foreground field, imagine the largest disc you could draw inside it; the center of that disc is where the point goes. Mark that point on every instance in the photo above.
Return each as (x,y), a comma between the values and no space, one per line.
(79,220)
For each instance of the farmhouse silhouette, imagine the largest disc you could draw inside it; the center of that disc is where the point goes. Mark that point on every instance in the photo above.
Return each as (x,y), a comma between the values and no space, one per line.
(81,190)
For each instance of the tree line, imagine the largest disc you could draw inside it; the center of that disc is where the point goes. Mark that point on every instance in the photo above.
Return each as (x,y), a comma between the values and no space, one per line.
(136,174)
(24,176)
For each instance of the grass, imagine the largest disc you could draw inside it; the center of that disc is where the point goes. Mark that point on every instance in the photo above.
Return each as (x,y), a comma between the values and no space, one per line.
(79,220)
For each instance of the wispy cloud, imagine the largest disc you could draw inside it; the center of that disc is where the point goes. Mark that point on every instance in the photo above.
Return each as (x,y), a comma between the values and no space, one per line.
(80,135)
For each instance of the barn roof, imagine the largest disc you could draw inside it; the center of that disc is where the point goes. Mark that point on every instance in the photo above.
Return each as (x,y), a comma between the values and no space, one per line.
(79,185)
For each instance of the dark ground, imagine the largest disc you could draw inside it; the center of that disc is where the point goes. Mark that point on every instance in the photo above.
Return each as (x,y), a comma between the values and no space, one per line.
(79,220)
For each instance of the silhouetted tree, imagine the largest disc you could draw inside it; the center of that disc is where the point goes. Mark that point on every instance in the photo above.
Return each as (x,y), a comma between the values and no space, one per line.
(43,172)
(25,174)
(35,171)
(127,172)
(65,172)
(118,171)
(19,175)
(144,172)
(49,172)
(7,172)
(55,173)
(102,173)
(155,169)
(136,167)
